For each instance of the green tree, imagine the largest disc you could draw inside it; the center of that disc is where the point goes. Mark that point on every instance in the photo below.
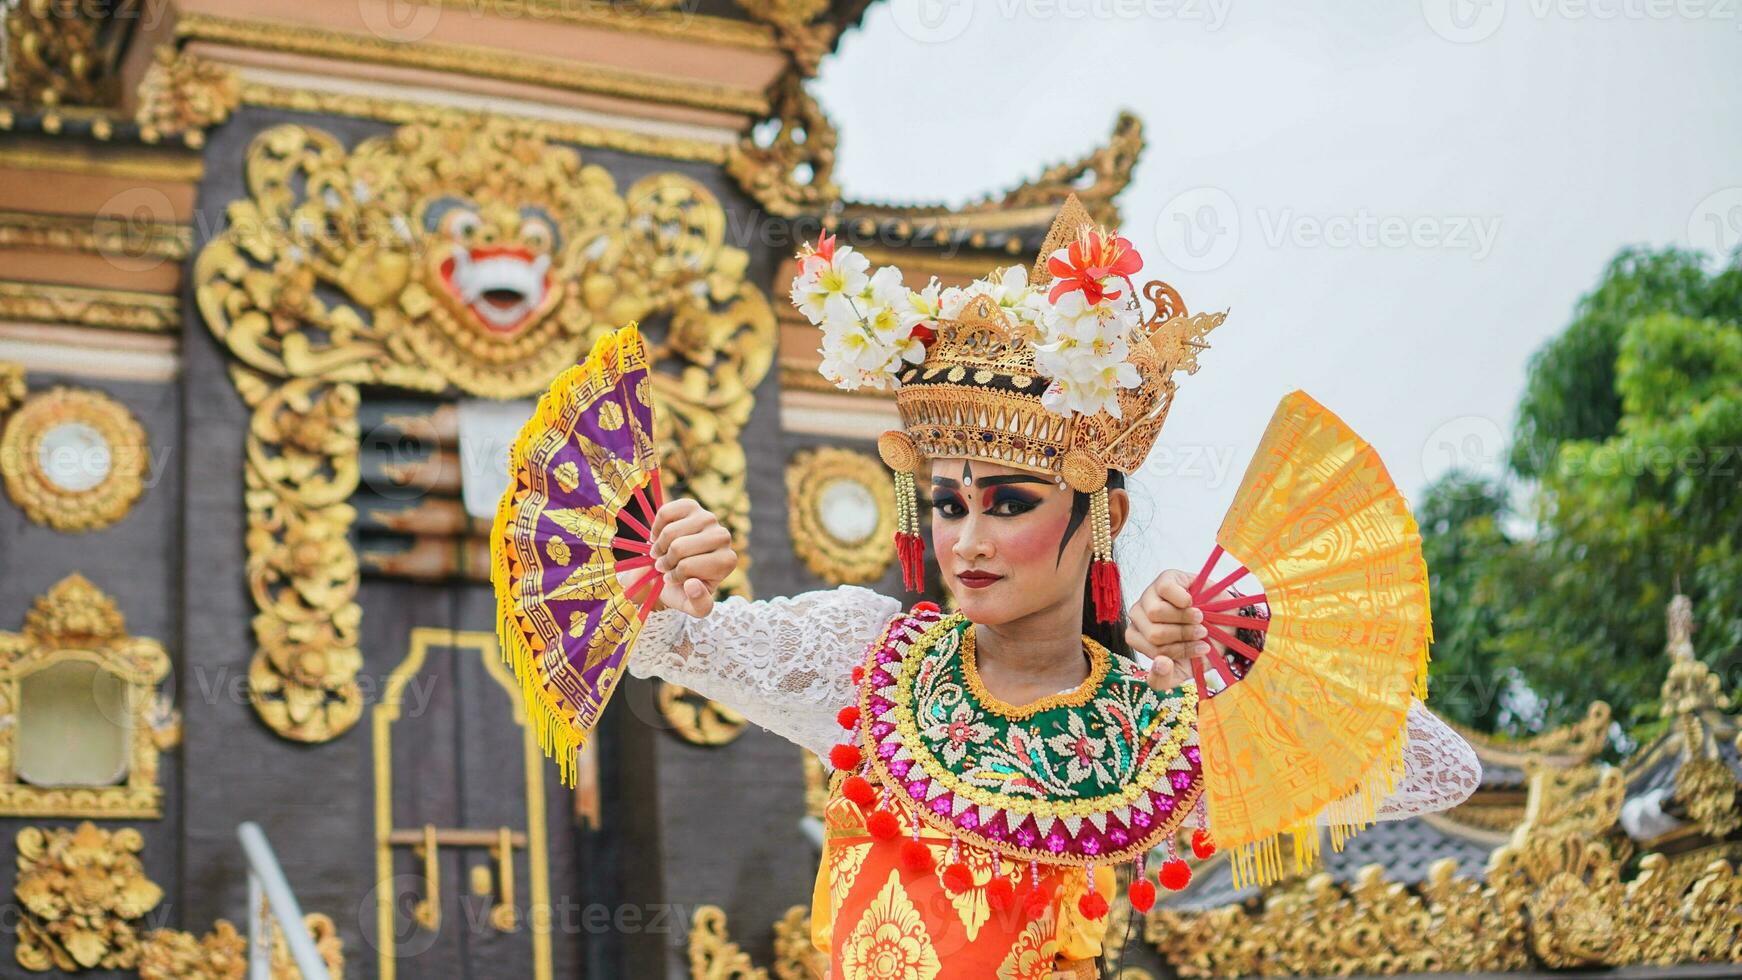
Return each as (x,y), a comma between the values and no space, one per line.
(1628,433)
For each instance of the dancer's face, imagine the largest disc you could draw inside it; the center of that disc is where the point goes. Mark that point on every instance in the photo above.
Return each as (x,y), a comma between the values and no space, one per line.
(1006,541)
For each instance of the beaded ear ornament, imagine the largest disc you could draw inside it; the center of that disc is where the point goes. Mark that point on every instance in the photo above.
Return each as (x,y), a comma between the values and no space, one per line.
(1060,369)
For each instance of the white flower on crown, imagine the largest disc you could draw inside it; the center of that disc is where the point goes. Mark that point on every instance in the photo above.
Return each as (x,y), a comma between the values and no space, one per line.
(825,273)
(1084,352)
(873,325)
(1008,287)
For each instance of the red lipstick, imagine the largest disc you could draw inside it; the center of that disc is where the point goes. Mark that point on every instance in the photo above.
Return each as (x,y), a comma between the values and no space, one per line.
(977,580)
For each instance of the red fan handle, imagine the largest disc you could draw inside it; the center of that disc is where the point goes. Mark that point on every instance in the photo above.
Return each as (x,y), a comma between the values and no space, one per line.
(1208,599)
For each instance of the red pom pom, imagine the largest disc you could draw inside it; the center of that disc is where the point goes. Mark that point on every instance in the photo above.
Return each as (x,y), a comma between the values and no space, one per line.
(1202,845)
(1092,905)
(925,607)
(849,717)
(1175,874)
(858,675)
(1000,893)
(858,789)
(882,825)
(916,857)
(1142,894)
(957,878)
(1035,901)
(844,757)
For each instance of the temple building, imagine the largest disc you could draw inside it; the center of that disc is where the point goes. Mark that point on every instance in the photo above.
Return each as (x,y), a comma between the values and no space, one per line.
(276,283)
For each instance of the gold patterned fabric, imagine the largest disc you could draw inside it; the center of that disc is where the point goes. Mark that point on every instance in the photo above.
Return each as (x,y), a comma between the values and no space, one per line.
(1317,724)
(877,920)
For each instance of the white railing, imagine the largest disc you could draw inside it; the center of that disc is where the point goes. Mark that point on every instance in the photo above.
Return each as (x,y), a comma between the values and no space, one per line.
(269,898)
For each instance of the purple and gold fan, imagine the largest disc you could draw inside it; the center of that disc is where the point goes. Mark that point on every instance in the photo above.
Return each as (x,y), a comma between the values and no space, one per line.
(583,488)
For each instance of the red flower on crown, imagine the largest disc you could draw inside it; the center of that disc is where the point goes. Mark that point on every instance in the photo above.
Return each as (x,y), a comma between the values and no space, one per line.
(823,250)
(1088,263)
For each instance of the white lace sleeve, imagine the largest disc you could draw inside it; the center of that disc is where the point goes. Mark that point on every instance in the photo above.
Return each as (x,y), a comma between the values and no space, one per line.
(785,664)
(1440,770)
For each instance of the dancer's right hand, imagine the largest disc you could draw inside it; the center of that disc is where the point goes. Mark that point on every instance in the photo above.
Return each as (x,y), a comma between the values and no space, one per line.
(694,551)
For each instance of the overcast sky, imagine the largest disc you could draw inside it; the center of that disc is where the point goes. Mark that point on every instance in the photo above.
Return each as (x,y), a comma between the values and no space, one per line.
(1397,201)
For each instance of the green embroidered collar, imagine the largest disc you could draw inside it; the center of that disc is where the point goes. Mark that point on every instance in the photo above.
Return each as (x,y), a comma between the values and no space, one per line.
(1096,774)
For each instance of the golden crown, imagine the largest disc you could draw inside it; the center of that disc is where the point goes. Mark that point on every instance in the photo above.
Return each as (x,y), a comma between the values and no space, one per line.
(977,392)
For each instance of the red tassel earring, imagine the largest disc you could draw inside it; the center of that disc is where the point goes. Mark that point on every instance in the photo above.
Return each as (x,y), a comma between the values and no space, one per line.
(1103,573)
(909,545)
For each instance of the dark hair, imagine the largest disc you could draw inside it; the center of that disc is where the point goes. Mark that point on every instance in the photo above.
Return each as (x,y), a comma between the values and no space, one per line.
(1110,635)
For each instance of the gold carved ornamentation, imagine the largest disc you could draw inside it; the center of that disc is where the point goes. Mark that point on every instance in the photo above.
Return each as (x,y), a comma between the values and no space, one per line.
(799,28)
(469,59)
(841,514)
(58,52)
(74,622)
(73,459)
(1551,897)
(695,719)
(222,954)
(125,237)
(81,892)
(1577,742)
(301,468)
(12,385)
(712,955)
(795,958)
(403,112)
(116,309)
(662,18)
(788,163)
(182,94)
(478,258)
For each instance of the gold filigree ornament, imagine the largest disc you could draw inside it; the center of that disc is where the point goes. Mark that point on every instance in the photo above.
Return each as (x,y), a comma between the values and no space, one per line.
(12,385)
(73,459)
(712,955)
(459,255)
(184,95)
(74,623)
(81,892)
(841,514)
(222,954)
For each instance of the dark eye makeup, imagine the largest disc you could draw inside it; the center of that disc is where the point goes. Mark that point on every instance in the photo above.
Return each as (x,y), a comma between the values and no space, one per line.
(1002,502)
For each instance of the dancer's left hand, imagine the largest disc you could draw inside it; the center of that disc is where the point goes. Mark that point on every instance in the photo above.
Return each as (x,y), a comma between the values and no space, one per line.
(1164,626)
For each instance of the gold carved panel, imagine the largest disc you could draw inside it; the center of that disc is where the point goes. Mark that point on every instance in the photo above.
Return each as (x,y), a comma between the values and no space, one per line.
(445,257)
(75,623)
(81,892)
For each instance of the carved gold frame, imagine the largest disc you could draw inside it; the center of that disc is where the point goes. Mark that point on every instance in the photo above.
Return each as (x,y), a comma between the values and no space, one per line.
(537,843)
(305,353)
(808,476)
(75,622)
(37,495)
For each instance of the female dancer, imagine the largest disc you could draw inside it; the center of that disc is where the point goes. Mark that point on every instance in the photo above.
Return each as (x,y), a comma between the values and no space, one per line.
(991,765)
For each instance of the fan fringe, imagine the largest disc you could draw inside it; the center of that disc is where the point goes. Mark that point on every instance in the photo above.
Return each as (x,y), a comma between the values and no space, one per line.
(558,738)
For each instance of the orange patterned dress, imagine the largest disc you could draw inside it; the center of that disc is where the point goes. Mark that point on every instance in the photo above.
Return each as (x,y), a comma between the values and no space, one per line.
(945,789)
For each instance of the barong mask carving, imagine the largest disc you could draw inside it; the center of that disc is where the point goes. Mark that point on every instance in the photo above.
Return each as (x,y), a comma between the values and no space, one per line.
(440,258)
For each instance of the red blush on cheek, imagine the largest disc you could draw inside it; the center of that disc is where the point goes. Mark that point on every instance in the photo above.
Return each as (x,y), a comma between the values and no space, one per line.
(1035,543)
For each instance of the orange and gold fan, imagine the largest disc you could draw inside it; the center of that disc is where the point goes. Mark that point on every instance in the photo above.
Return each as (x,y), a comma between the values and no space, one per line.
(1315,722)
(583,488)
